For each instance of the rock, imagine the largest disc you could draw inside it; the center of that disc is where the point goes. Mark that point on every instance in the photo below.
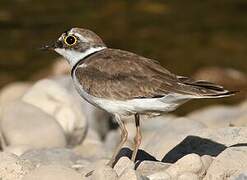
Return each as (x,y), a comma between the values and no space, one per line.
(188,176)
(243,104)
(3,143)
(55,100)
(104,173)
(230,162)
(57,156)
(170,129)
(51,172)
(147,168)
(122,164)
(239,176)
(173,146)
(13,91)
(12,168)
(24,124)
(190,163)
(113,137)
(217,116)
(60,67)
(240,121)
(160,176)
(161,140)
(92,135)
(228,136)
(92,148)
(111,140)
(156,122)
(88,167)
(17,149)
(131,174)
(98,119)
(206,161)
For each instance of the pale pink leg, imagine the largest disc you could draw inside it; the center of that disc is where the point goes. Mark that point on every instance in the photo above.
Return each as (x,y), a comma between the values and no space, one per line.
(137,138)
(124,136)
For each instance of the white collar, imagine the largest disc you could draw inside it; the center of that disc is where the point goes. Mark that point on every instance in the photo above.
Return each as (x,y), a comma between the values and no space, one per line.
(73,57)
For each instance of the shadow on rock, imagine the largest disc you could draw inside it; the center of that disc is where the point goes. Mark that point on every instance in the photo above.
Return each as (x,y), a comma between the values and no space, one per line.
(194,144)
(141,156)
(191,144)
(239,145)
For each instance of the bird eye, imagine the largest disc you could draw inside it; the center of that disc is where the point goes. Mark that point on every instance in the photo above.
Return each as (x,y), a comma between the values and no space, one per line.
(70,40)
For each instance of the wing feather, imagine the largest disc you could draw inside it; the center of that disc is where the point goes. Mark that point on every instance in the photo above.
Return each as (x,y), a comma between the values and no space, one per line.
(121,75)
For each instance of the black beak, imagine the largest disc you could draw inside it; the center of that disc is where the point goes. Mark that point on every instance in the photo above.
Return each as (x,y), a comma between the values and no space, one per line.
(48,47)
(52,46)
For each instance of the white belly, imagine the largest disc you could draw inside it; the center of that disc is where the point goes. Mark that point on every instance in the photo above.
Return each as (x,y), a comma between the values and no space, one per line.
(142,106)
(139,105)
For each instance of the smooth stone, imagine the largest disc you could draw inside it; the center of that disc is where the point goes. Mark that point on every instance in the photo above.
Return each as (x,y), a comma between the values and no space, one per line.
(60,67)
(60,156)
(13,168)
(242,175)
(17,149)
(190,163)
(52,172)
(227,136)
(25,124)
(228,163)
(157,122)
(147,168)
(207,161)
(188,176)
(169,124)
(155,130)
(90,149)
(131,174)
(160,176)
(111,140)
(173,146)
(240,121)
(89,166)
(122,164)
(217,116)
(55,100)
(243,104)
(97,119)
(3,143)
(104,173)
(92,135)
(13,91)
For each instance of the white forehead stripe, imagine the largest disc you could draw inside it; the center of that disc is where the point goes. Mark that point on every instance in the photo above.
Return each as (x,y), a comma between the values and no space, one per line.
(83,39)
(73,56)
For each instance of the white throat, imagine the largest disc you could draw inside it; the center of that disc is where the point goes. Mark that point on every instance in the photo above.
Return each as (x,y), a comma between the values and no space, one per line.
(73,56)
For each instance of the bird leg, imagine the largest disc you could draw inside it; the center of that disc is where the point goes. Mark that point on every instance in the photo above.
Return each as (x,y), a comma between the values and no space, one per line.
(124,136)
(138,137)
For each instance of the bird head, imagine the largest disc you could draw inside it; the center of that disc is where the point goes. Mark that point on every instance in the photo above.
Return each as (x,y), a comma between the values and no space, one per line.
(76,43)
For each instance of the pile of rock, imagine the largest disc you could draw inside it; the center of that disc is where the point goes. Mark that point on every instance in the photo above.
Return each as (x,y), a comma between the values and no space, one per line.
(48,132)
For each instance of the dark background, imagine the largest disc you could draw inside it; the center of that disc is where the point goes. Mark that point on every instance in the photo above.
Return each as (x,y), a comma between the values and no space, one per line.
(183,35)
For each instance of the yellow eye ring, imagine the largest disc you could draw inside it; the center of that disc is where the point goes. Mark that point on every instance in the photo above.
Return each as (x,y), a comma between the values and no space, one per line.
(70,40)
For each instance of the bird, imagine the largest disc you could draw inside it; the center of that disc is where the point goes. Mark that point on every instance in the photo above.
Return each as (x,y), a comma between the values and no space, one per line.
(126,84)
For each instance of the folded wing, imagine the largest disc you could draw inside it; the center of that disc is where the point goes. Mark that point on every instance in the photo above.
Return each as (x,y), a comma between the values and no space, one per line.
(121,75)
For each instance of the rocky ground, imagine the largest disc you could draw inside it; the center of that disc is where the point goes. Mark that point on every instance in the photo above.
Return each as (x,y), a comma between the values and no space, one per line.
(48,132)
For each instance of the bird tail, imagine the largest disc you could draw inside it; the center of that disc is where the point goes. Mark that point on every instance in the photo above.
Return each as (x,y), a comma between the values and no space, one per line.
(205,89)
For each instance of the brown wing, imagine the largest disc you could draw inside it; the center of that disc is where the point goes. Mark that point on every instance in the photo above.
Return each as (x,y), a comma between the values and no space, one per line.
(122,75)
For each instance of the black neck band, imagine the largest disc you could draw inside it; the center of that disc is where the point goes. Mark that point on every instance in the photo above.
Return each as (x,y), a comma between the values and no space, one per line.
(73,68)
